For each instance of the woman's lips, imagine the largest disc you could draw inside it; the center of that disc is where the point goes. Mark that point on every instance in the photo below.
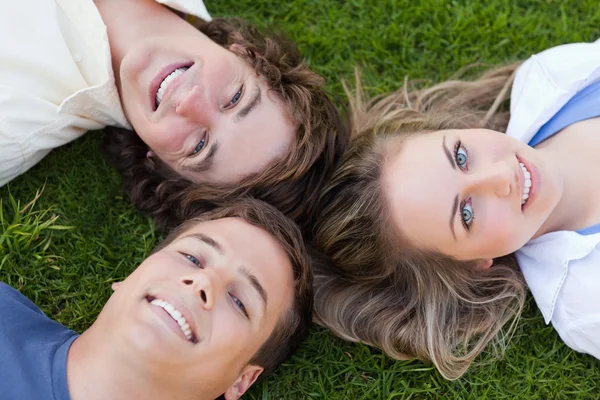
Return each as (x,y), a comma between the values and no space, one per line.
(535,181)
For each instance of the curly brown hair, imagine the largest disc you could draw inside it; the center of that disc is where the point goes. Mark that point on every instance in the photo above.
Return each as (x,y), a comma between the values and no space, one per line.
(291,184)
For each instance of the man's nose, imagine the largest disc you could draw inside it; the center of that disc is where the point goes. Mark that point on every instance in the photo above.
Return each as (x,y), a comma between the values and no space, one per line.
(194,105)
(205,284)
(497,179)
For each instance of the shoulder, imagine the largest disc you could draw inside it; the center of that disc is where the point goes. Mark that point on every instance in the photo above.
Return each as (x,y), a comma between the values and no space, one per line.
(10,297)
(582,335)
(561,66)
(562,271)
(559,267)
(548,80)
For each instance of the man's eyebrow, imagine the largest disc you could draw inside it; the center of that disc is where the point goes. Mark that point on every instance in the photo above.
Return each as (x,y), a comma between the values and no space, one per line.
(207,240)
(452,214)
(257,286)
(206,162)
(247,109)
(448,154)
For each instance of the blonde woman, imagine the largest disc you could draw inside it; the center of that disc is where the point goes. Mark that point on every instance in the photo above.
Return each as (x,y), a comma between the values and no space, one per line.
(428,209)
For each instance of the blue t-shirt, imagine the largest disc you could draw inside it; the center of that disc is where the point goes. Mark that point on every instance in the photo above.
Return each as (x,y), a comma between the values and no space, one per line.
(33,350)
(584,105)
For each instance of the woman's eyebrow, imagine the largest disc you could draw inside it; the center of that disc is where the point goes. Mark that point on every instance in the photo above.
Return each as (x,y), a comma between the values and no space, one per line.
(448,153)
(454,208)
(453,212)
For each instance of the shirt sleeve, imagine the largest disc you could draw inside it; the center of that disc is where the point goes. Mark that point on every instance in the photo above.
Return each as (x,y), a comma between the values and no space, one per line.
(193,7)
(546,81)
(12,159)
(566,65)
(583,336)
(17,157)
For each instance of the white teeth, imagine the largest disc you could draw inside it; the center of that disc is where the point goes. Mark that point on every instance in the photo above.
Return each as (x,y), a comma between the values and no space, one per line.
(165,83)
(526,184)
(176,315)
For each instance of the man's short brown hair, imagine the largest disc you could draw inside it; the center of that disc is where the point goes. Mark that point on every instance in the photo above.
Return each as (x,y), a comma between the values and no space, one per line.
(291,184)
(292,327)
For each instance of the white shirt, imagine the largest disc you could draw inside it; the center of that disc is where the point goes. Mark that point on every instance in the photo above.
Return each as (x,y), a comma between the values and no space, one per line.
(562,269)
(56,77)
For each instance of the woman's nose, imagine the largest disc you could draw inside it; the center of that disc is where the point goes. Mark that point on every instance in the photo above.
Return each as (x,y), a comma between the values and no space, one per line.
(498,179)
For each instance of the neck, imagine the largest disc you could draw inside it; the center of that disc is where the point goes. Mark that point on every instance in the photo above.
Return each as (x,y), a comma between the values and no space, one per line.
(96,371)
(573,153)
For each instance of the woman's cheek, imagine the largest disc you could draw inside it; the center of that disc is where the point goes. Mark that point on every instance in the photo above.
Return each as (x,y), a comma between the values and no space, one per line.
(504,233)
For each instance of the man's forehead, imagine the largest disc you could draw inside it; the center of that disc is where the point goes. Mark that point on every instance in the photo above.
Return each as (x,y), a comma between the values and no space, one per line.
(241,240)
(227,228)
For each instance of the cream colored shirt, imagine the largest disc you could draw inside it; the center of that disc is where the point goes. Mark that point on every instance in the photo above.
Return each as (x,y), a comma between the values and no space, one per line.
(562,269)
(56,77)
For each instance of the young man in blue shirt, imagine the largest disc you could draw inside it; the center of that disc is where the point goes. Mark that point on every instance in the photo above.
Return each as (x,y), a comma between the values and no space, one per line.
(224,299)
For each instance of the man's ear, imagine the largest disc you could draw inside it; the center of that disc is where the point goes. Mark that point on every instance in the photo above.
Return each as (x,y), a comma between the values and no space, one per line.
(247,377)
(237,49)
(483,263)
(115,286)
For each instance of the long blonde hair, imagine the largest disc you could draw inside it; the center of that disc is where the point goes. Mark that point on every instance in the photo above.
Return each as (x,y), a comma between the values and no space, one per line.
(382,291)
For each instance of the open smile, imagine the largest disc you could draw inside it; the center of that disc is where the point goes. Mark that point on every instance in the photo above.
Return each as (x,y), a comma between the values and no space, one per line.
(165,82)
(528,183)
(178,321)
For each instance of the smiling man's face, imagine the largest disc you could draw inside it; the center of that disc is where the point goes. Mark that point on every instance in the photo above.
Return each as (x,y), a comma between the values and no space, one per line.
(202,108)
(194,313)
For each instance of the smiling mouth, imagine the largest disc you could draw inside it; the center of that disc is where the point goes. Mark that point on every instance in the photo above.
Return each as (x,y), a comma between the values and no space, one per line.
(526,185)
(161,83)
(177,317)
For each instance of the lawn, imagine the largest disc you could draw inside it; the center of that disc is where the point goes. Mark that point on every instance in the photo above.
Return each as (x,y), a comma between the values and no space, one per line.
(68,272)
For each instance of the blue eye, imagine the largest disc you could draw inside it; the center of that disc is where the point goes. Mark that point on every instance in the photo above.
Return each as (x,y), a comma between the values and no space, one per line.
(194,260)
(236,97)
(467,214)
(238,303)
(460,155)
(199,146)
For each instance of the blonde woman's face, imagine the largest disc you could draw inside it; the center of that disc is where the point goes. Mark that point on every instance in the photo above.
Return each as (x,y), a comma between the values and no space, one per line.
(467,193)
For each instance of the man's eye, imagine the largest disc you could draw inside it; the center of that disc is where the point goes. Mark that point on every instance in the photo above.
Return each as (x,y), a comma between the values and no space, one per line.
(193,260)
(238,303)
(199,146)
(460,155)
(236,98)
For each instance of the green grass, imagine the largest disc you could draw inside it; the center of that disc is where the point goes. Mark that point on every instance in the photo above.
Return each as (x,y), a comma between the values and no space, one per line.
(81,234)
